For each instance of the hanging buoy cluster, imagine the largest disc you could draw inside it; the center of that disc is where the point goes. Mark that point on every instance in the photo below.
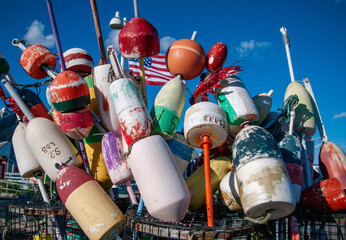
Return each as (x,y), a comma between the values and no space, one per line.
(258,161)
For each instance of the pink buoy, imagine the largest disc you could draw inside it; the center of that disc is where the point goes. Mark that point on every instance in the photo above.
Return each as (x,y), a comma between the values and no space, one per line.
(217,56)
(33,57)
(77,125)
(139,39)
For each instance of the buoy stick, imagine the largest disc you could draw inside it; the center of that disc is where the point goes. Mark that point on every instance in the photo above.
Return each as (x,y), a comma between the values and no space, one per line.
(306,173)
(205,144)
(320,125)
(98,32)
(292,116)
(135,6)
(286,41)
(194,35)
(130,192)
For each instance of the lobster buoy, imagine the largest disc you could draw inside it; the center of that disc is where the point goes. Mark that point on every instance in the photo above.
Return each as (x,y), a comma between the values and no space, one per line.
(235,100)
(229,192)
(134,118)
(4,67)
(33,57)
(139,39)
(185,57)
(181,150)
(305,117)
(79,61)
(112,151)
(77,125)
(26,161)
(88,203)
(291,151)
(326,196)
(50,145)
(216,57)
(167,109)
(219,167)
(332,162)
(36,106)
(263,182)
(102,79)
(69,92)
(159,180)
(56,117)
(205,118)
(263,103)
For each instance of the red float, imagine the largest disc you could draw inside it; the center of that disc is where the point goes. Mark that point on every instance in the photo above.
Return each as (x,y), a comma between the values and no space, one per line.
(217,56)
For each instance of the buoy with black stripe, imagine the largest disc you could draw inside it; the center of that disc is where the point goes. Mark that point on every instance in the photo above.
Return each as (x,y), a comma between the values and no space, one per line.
(95,212)
(264,186)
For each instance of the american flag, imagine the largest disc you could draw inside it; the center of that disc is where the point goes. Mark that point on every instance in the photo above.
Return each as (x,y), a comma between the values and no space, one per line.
(155,69)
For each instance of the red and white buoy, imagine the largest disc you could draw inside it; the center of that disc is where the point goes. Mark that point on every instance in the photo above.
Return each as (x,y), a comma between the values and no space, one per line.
(79,61)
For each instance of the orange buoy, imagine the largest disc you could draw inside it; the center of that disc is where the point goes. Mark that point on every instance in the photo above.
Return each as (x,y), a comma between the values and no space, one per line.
(185,57)
(34,57)
(69,91)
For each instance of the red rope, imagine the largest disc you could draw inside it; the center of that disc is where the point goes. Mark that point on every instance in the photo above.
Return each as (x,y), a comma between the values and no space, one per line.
(11,103)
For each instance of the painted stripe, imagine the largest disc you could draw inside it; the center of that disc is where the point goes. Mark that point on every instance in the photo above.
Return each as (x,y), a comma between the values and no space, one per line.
(188,48)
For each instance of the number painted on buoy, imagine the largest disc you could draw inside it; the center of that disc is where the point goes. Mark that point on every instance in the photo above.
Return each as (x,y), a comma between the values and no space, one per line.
(50,151)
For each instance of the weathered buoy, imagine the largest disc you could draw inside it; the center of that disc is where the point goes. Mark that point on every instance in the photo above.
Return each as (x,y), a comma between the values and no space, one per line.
(50,145)
(134,119)
(235,100)
(159,180)
(263,103)
(56,117)
(102,79)
(291,151)
(185,57)
(79,61)
(229,192)
(305,117)
(181,150)
(216,57)
(112,151)
(326,196)
(219,167)
(332,162)
(263,182)
(4,67)
(205,118)
(89,204)
(167,109)
(33,57)
(26,161)
(77,125)
(139,39)
(69,92)
(34,103)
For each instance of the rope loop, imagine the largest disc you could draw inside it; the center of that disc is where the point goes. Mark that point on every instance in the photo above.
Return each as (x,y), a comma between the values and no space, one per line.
(261,219)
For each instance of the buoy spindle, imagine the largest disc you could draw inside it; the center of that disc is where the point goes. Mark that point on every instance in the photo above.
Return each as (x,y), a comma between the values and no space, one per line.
(286,41)
(206,145)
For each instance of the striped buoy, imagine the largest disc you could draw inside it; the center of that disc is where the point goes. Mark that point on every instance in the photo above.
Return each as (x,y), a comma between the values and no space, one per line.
(89,204)
(33,57)
(26,161)
(235,100)
(79,61)
(229,192)
(50,145)
(168,107)
(159,180)
(69,92)
(131,110)
(291,151)
(263,182)
(4,67)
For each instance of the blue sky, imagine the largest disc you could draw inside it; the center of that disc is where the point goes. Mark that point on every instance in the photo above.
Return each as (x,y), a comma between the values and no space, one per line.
(249,28)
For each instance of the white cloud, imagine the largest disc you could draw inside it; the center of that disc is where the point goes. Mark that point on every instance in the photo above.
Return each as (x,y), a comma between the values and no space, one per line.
(35,35)
(165,43)
(340,115)
(252,49)
(113,39)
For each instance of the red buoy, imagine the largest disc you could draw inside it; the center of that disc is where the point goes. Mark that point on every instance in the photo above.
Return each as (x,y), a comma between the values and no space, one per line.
(69,92)
(139,39)
(217,56)
(34,57)
(77,124)
(79,61)
(185,57)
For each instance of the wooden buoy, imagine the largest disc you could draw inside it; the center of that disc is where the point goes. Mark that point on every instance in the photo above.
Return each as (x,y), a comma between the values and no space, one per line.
(79,61)
(229,192)
(216,57)
(185,57)
(167,109)
(263,104)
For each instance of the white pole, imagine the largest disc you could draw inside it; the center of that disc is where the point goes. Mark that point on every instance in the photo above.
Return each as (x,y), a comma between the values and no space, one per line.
(286,41)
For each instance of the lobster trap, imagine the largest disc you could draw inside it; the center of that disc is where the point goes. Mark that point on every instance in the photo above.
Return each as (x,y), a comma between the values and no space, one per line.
(38,220)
